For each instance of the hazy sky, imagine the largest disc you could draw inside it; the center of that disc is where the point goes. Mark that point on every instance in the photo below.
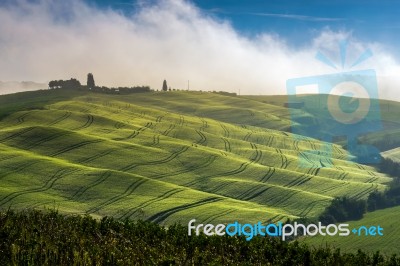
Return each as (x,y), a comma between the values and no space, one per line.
(254,46)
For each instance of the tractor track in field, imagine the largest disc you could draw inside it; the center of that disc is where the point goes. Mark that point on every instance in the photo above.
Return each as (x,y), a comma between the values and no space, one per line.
(207,163)
(239,170)
(286,197)
(181,120)
(203,138)
(331,188)
(258,153)
(204,124)
(165,195)
(170,157)
(218,188)
(66,115)
(227,145)
(169,129)
(88,123)
(364,192)
(156,140)
(48,185)
(128,191)
(100,180)
(8,157)
(19,133)
(159,118)
(96,156)
(163,215)
(226,131)
(21,119)
(251,194)
(49,138)
(248,135)
(285,162)
(298,181)
(215,216)
(119,125)
(135,133)
(268,175)
(309,208)
(20,167)
(75,146)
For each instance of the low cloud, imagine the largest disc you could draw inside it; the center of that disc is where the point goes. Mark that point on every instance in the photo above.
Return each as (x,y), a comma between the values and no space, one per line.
(171,39)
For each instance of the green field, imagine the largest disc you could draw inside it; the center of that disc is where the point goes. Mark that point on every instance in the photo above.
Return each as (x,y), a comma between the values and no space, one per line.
(393,154)
(387,244)
(168,157)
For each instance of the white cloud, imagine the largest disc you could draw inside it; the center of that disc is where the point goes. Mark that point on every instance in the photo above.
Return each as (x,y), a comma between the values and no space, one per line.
(173,40)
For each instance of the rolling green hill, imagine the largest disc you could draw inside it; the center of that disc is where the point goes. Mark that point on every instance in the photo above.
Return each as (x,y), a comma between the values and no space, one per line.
(388,243)
(168,157)
(393,154)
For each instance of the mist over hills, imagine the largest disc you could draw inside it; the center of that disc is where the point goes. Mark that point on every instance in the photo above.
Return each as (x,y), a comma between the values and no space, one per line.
(8,87)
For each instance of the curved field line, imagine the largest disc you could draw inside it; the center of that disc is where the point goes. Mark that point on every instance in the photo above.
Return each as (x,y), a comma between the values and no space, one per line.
(167,131)
(219,187)
(246,138)
(161,216)
(75,146)
(309,208)
(156,140)
(227,145)
(249,194)
(208,162)
(215,216)
(49,138)
(159,118)
(89,121)
(101,179)
(170,157)
(226,131)
(325,190)
(8,157)
(204,124)
(268,175)
(58,120)
(19,168)
(21,119)
(167,194)
(129,190)
(119,125)
(287,197)
(202,139)
(48,185)
(258,153)
(365,191)
(96,156)
(181,120)
(19,133)
(239,170)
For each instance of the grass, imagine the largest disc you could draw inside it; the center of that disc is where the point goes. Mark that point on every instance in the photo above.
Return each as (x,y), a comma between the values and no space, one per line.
(387,244)
(169,157)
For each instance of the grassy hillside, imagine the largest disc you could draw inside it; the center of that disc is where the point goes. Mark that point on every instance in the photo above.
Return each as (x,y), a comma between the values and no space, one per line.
(388,243)
(169,157)
(393,154)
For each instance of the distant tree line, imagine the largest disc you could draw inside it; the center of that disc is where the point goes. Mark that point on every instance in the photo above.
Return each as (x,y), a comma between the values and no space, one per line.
(345,209)
(65,84)
(74,84)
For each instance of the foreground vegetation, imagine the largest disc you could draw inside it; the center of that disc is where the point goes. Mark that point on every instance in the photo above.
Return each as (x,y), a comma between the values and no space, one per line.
(48,238)
(387,218)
